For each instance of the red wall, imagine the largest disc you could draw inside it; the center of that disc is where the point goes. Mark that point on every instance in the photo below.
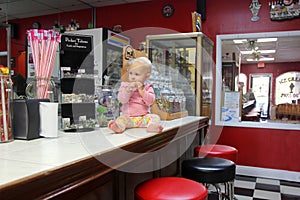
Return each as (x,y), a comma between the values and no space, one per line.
(267,148)
(278,149)
(257,147)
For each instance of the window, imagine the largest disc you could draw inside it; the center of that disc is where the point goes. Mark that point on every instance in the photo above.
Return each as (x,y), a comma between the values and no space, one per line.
(272,48)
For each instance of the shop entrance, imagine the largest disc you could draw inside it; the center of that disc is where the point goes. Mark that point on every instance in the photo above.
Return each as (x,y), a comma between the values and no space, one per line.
(261,87)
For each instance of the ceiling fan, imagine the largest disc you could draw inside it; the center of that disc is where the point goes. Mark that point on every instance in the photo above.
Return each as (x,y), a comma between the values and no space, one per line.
(256,55)
(253,52)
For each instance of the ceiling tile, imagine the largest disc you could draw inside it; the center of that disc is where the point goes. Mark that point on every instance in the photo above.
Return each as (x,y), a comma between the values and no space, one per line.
(14,9)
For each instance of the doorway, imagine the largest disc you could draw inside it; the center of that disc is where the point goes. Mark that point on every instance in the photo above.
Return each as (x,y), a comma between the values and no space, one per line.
(261,87)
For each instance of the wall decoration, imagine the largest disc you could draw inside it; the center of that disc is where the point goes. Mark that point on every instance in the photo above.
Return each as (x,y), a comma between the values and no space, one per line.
(284,9)
(287,88)
(168,10)
(196,22)
(255,7)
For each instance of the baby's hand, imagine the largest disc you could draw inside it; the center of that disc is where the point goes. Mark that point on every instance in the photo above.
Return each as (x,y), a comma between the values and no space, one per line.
(139,85)
(131,86)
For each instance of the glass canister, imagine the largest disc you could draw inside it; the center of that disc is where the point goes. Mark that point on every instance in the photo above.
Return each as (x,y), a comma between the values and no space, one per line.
(108,106)
(5,115)
(41,88)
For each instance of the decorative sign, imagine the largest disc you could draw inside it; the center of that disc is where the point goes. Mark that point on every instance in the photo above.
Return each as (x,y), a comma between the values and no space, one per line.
(196,22)
(287,88)
(76,43)
(286,9)
(117,39)
(231,108)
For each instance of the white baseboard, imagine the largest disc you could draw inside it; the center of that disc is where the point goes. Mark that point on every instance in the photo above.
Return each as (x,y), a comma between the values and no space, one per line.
(268,173)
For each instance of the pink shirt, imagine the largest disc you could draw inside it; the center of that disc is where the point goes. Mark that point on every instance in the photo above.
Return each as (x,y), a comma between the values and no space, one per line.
(133,104)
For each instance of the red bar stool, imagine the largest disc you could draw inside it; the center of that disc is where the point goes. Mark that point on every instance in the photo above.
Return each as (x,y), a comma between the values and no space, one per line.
(171,188)
(216,150)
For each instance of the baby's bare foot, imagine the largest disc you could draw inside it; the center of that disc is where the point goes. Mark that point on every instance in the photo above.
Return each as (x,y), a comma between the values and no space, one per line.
(114,127)
(156,128)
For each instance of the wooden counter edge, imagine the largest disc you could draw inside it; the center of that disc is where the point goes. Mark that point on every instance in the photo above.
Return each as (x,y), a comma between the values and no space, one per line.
(71,180)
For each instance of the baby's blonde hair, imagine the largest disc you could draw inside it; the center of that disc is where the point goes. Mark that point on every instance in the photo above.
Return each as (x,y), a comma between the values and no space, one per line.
(144,61)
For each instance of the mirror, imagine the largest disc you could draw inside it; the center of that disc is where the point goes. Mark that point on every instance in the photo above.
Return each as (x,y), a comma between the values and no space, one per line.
(247,67)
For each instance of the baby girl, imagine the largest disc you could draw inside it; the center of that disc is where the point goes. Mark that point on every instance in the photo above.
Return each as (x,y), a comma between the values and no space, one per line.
(136,98)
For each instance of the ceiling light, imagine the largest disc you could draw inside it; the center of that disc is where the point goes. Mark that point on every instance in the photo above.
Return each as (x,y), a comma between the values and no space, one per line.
(260,59)
(239,41)
(266,39)
(260,51)
(267,51)
(246,52)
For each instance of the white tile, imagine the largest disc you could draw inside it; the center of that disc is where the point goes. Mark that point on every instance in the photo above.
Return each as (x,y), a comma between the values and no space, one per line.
(290,190)
(268,181)
(244,184)
(266,195)
(52,153)
(239,197)
(13,170)
(17,145)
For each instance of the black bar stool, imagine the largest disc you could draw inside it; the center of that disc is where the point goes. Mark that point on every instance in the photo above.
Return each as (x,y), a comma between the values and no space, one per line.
(211,171)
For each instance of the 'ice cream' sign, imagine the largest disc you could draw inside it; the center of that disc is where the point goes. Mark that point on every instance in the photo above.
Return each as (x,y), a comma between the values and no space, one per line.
(287,87)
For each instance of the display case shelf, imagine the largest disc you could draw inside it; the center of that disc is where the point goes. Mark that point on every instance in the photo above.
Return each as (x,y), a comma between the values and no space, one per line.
(77,79)
(186,61)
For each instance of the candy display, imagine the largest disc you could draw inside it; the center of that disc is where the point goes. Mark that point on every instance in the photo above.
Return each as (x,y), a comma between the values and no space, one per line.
(6,95)
(43,44)
(108,106)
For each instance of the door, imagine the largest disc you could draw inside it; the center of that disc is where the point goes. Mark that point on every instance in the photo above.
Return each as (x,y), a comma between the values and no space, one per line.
(261,87)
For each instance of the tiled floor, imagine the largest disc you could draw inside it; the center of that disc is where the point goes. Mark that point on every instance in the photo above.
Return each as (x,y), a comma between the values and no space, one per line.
(252,188)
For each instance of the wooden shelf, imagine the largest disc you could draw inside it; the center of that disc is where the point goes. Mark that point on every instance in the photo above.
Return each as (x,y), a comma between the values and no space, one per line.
(167,116)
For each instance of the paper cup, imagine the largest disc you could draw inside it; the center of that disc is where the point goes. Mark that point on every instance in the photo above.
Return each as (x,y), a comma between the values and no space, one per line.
(48,119)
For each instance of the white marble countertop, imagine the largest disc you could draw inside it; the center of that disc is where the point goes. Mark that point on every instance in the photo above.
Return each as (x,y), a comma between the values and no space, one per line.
(20,159)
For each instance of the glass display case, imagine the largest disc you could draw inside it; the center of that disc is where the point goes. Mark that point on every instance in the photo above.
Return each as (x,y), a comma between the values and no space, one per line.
(182,72)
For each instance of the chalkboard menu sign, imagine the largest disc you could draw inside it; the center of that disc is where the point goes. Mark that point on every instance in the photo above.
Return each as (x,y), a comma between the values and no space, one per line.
(76,43)
(76,53)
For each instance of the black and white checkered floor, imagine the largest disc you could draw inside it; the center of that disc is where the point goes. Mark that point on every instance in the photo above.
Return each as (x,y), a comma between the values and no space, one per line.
(253,188)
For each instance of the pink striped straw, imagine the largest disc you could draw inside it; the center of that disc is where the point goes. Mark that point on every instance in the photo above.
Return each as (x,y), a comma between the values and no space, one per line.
(44,44)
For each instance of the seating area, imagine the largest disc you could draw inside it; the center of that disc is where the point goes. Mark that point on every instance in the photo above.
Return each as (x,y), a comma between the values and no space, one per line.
(211,171)
(288,111)
(216,150)
(203,175)
(171,188)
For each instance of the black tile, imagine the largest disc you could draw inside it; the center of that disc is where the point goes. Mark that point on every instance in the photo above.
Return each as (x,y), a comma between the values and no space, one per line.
(243,191)
(290,183)
(268,187)
(289,197)
(245,178)
(265,187)
(213,196)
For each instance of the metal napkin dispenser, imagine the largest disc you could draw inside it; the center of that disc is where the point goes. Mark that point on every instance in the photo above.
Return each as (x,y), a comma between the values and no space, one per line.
(26,118)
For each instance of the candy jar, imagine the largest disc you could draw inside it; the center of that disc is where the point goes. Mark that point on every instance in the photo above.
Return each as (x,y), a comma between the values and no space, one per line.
(108,106)
(41,88)
(6,93)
